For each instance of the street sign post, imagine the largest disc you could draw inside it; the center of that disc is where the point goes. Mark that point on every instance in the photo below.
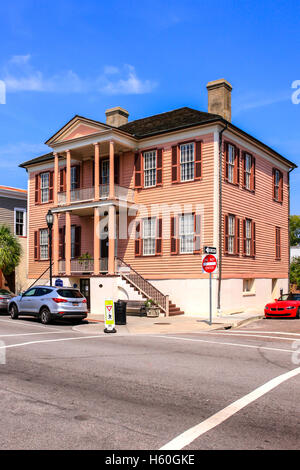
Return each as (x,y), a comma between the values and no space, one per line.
(209,265)
(109,317)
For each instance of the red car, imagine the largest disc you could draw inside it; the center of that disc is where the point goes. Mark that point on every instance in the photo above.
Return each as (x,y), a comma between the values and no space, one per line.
(287,306)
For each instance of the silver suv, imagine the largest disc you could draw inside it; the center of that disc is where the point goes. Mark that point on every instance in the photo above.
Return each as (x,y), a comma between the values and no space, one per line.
(49,303)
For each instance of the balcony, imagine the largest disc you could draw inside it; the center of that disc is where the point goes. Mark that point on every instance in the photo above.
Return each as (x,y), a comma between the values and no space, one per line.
(83,266)
(88,194)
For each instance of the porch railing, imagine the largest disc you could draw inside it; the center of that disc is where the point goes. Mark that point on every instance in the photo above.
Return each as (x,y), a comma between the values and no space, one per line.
(145,287)
(83,266)
(88,194)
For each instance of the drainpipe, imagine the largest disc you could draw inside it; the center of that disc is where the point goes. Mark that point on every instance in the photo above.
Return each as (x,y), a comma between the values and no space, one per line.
(289,243)
(220,215)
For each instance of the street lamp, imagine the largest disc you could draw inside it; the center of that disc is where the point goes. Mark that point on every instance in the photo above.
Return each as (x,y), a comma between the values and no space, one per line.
(49,220)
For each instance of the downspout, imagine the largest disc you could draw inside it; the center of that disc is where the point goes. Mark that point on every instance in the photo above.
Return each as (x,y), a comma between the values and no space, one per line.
(289,242)
(220,215)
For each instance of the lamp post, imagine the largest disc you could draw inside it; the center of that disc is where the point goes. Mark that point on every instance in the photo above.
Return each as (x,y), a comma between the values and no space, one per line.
(49,220)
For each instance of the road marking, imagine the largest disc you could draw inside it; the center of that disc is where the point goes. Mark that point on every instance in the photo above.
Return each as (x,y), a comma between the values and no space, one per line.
(223,343)
(256,336)
(195,432)
(29,324)
(30,334)
(49,341)
(265,332)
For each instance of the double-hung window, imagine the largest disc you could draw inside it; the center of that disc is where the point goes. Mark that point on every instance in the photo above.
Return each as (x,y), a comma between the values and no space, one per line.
(44,241)
(149,235)
(73,177)
(186,233)
(187,162)
(248,237)
(231,163)
(45,186)
(73,241)
(150,168)
(248,169)
(231,234)
(277,185)
(20,222)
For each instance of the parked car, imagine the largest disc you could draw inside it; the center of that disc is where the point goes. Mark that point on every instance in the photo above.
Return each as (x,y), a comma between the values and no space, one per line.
(287,306)
(49,303)
(5,296)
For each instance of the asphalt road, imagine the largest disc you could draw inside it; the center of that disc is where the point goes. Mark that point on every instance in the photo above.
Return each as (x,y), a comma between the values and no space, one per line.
(61,389)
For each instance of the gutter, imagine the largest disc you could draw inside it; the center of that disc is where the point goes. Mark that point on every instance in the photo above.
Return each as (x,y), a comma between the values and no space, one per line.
(220,213)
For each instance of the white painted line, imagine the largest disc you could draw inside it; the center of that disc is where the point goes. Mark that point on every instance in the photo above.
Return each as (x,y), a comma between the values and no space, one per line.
(195,432)
(256,336)
(49,341)
(29,324)
(265,332)
(222,343)
(30,334)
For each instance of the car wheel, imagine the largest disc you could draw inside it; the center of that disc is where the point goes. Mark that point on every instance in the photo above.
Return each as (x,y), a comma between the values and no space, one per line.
(45,316)
(298,313)
(14,312)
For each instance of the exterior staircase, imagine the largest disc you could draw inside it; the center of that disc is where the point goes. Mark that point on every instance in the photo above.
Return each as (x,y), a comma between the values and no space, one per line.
(146,289)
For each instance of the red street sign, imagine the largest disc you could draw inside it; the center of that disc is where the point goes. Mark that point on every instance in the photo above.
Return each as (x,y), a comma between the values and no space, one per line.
(209,263)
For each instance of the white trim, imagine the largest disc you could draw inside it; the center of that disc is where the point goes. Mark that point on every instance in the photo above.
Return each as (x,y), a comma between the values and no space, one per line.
(24,210)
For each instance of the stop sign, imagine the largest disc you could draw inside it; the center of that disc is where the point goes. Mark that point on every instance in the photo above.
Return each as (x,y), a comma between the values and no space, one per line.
(209,263)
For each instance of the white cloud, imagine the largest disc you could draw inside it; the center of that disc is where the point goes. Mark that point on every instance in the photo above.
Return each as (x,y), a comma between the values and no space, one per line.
(259,100)
(13,154)
(20,76)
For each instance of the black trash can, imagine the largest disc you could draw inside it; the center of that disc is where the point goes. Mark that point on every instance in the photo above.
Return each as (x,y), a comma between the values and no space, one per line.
(120,312)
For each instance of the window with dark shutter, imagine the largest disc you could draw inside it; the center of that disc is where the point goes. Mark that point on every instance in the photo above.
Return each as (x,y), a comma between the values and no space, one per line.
(175,164)
(37,245)
(51,189)
(62,232)
(197,241)
(37,189)
(158,241)
(159,167)
(117,169)
(277,243)
(62,180)
(232,163)
(277,177)
(138,239)
(77,241)
(138,171)
(198,160)
(231,235)
(174,235)
(248,171)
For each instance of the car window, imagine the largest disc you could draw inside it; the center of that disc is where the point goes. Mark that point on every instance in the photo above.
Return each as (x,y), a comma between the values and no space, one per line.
(295,297)
(30,292)
(284,297)
(43,291)
(70,293)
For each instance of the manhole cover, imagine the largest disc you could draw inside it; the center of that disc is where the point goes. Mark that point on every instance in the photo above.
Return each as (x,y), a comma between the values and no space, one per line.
(162,323)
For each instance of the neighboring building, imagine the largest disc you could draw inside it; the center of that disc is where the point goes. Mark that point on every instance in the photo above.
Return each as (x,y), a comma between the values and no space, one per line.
(181,180)
(295,252)
(13,212)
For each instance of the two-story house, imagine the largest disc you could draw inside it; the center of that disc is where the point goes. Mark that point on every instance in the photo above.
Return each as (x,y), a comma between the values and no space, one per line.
(13,213)
(135,202)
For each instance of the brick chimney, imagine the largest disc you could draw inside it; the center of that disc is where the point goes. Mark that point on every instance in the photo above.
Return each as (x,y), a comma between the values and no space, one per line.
(116,116)
(219,98)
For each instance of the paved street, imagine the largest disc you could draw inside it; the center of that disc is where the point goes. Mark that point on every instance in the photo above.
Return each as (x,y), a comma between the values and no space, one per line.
(63,389)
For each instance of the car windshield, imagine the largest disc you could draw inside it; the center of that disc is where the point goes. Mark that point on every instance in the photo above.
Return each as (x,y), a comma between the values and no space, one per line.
(290,297)
(70,293)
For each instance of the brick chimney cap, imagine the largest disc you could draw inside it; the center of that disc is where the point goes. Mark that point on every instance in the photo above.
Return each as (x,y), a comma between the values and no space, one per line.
(219,83)
(117,110)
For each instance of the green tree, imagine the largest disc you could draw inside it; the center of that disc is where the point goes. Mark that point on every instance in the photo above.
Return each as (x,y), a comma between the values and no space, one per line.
(295,272)
(294,230)
(10,250)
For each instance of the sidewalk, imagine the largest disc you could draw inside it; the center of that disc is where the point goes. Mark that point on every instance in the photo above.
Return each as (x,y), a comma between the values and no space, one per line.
(167,325)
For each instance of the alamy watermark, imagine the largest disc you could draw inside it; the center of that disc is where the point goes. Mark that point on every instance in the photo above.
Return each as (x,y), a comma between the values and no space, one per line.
(296,353)
(2,92)
(296,93)
(2,353)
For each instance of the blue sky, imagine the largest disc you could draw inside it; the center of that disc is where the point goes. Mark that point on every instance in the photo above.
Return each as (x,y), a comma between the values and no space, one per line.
(68,57)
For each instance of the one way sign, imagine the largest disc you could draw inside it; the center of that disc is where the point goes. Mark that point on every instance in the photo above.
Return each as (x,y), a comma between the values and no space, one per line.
(209,250)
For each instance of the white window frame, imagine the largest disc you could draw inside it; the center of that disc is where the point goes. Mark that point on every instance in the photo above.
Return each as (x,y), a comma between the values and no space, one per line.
(186,234)
(187,161)
(249,286)
(231,162)
(248,236)
(231,234)
(105,174)
(42,246)
(150,167)
(149,236)
(45,188)
(277,184)
(20,209)
(248,170)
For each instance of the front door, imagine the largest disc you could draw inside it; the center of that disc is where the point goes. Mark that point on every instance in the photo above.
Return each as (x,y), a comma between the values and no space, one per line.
(85,289)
